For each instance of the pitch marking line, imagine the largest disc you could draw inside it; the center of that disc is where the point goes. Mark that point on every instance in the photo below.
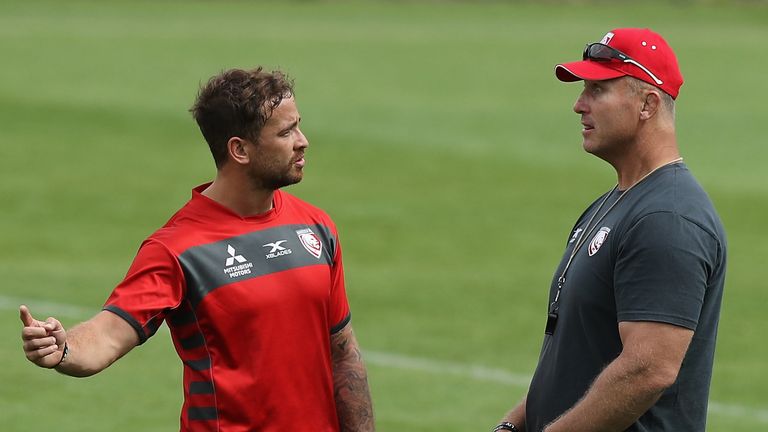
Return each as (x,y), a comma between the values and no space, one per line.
(390,360)
(475,372)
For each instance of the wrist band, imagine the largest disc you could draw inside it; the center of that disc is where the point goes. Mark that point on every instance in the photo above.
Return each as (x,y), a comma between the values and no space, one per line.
(63,356)
(505,426)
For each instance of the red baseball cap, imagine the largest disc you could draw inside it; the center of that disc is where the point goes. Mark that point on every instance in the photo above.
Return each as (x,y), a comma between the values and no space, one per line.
(639,53)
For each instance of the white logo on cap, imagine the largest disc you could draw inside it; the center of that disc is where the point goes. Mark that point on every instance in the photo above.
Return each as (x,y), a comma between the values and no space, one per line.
(607,38)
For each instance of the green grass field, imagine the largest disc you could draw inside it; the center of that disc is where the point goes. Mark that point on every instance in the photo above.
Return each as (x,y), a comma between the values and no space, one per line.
(441,143)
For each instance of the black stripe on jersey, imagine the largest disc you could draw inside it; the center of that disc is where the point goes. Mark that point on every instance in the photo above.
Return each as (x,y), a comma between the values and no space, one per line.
(199,365)
(130,320)
(181,316)
(153,325)
(202,413)
(192,342)
(211,266)
(201,387)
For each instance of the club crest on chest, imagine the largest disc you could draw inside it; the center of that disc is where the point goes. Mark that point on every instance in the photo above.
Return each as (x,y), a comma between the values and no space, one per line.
(598,240)
(310,242)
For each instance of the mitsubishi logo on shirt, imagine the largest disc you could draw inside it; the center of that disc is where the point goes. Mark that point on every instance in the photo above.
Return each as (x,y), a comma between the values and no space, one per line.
(276,250)
(243,267)
(232,257)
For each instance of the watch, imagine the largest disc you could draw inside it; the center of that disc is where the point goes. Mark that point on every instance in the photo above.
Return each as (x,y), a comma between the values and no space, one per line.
(505,426)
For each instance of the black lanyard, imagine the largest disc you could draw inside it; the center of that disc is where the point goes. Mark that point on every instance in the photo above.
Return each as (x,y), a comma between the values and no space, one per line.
(554,307)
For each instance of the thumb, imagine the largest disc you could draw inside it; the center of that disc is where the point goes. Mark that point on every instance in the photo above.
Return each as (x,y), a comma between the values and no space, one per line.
(26,317)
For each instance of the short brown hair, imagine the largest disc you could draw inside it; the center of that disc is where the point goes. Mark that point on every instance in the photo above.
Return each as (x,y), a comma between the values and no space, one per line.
(238,102)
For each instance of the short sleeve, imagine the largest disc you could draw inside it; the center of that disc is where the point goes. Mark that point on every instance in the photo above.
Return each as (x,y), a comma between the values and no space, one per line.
(153,286)
(339,311)
(662,268)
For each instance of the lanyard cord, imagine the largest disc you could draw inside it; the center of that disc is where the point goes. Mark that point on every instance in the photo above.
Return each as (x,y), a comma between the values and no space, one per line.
(585,234)
(555,305)
(583,238)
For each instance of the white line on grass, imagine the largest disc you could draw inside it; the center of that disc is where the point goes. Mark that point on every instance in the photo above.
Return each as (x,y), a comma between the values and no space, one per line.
(482,373)
(38,308)
(731,410)
(476,372)
(392,360)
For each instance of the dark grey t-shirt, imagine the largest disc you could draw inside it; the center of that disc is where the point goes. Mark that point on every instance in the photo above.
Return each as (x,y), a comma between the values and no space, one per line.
(659,255)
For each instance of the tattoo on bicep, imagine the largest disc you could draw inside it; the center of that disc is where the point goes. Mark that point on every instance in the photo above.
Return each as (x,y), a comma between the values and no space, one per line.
(342,345)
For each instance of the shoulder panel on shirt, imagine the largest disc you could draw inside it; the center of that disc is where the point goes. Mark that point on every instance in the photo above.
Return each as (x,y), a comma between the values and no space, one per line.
(210,266)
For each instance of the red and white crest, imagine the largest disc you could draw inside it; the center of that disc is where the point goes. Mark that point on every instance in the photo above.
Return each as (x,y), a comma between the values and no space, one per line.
(598,240)
(310,242)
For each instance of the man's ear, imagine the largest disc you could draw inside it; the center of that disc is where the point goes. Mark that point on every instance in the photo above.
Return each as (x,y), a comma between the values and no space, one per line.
(651,105)
(237,151)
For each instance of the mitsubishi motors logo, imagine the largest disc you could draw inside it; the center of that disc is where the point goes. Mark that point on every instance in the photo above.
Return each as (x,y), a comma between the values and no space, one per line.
(232,258)
(242,268)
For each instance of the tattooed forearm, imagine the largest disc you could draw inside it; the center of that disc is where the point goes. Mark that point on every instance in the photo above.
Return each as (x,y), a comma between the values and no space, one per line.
(350,382)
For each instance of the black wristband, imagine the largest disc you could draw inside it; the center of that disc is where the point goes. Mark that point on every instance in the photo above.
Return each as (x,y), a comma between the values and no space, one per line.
(63,356)
(505,426)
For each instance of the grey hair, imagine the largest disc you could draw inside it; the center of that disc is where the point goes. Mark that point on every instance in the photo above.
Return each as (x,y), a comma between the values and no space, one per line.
(638,86)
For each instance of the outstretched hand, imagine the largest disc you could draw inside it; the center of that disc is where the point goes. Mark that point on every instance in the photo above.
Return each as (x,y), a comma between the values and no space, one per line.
(43,341)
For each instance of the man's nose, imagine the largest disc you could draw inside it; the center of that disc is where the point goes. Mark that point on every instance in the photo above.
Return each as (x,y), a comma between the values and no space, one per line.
(580,107)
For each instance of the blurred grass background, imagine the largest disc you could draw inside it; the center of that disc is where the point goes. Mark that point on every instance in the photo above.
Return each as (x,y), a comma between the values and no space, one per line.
(441,143)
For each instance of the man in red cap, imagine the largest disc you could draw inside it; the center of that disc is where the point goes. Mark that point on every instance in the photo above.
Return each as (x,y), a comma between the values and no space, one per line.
(635,302)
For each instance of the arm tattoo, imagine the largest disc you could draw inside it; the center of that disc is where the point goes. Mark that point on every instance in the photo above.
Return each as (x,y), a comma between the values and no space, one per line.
(350,384)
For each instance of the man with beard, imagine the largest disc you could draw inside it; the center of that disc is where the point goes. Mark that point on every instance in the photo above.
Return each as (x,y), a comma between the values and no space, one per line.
(248,278)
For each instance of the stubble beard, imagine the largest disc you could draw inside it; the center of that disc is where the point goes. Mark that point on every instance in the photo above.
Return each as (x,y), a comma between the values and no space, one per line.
(269,178)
